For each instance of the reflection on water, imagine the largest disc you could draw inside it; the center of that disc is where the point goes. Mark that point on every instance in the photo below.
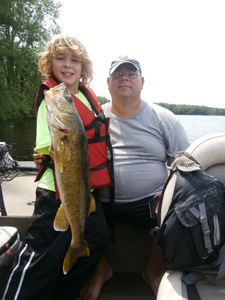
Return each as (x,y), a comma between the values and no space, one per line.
(21,135)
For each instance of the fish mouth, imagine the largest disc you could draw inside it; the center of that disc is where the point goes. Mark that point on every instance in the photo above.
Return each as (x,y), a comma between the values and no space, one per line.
(55,111)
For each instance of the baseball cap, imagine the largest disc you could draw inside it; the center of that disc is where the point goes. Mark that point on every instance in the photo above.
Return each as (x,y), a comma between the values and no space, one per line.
(124,60)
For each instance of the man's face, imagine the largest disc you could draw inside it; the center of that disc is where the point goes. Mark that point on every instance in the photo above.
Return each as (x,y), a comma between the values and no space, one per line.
(125,82)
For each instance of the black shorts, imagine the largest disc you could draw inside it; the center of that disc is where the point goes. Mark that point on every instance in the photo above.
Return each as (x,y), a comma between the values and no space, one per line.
(136,213)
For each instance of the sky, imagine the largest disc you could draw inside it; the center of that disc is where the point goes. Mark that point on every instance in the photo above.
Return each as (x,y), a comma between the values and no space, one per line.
(180,45)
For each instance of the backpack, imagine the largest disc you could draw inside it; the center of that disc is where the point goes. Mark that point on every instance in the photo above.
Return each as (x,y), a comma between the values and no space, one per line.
(191,221)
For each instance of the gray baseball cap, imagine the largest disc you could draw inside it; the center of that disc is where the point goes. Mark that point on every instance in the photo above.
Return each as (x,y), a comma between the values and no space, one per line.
(124,60)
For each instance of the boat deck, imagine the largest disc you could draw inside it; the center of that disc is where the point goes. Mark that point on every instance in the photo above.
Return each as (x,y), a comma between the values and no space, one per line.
(126,255)
(19,194)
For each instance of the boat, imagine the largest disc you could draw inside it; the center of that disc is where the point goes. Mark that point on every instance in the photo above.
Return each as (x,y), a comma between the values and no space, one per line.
(129,252)
(125,254)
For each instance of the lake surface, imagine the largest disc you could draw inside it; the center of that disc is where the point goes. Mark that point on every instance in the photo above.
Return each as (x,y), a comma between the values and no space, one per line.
(21,134)
(198,126)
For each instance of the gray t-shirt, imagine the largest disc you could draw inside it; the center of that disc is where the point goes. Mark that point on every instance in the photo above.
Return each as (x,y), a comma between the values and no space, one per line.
(142,145)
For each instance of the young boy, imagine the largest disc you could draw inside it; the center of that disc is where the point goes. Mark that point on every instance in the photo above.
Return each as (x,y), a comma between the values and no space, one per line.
(37,269)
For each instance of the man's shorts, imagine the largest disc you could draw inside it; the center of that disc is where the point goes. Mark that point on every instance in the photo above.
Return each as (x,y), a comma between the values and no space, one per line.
(139,213)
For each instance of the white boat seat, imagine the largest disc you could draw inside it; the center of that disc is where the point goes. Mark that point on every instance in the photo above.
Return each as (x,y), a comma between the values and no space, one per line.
(209,151)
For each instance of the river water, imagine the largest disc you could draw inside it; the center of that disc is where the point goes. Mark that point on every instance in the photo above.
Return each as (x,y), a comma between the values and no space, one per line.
(21,134)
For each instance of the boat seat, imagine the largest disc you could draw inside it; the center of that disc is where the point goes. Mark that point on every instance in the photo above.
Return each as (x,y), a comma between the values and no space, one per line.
(209,151)
(171,287)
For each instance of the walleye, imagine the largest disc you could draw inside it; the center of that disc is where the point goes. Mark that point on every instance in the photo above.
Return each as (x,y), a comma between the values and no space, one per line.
(69,150)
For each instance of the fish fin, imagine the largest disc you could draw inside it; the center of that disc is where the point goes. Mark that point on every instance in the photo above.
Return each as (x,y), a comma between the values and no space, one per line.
(51,152)
(67,147)
(92,205)
(60,222)
(73,254)
(63,150)
(58,162)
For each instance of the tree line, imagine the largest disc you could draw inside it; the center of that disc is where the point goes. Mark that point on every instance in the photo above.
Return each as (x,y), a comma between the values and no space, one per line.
(25,28)
(185,109)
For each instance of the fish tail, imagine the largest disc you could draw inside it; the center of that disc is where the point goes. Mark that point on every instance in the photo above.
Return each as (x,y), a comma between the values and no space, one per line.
(73,254)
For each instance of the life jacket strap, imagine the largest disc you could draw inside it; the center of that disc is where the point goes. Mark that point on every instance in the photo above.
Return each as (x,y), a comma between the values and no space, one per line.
(46,163)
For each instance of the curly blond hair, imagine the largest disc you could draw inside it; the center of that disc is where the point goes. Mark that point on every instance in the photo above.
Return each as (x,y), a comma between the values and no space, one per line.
(60,43)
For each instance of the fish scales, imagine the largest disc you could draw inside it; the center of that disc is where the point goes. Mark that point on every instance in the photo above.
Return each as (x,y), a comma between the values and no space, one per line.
(69,150)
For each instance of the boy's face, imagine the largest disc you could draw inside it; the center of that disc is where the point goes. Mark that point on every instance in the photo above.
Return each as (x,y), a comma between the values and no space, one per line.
(67,69)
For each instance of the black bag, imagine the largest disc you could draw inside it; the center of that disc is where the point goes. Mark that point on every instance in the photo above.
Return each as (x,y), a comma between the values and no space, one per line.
(192,222)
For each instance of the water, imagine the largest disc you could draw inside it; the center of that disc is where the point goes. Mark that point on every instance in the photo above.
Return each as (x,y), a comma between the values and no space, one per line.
(198,126)
(21,134)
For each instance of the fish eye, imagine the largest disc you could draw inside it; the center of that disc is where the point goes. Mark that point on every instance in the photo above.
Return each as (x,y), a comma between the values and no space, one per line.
(69,98)
(68,95)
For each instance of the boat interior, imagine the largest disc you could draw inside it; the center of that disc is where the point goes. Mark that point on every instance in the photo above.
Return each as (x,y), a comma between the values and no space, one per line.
(128,252)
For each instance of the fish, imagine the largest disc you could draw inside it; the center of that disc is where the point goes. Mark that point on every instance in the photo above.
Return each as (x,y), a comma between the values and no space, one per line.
(69,149)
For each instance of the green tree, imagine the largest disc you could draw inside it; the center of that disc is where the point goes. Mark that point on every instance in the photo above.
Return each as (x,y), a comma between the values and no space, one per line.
(25,26)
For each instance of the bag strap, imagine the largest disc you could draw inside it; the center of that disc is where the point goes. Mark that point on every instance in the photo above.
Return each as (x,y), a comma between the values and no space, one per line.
(221,261)
(167,195)
(192,292)
(191,278)
(201,215)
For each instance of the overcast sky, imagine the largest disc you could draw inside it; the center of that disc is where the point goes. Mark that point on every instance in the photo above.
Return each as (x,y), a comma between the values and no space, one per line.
(180,45)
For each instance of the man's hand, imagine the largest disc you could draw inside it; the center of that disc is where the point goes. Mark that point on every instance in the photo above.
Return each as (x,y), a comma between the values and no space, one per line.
(157,206)
(37,158)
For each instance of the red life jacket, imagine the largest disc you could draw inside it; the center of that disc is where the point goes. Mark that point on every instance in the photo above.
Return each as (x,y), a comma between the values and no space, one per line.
(97,133)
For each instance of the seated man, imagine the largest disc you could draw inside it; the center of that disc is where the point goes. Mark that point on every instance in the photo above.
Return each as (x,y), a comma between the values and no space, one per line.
(145,137)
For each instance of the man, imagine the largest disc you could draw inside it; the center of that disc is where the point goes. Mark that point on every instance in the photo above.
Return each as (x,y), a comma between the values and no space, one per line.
(144,139)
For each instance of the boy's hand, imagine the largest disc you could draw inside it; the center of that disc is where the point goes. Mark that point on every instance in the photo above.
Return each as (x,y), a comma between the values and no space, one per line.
(37,158)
